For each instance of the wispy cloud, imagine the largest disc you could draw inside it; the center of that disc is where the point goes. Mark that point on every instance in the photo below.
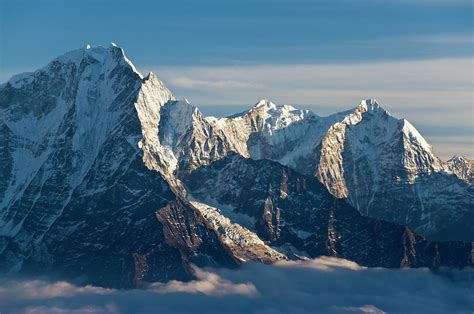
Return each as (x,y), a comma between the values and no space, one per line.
(425,83)
(191,83)
(448,146)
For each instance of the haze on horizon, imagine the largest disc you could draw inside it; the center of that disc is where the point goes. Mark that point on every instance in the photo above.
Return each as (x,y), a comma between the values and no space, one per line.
(414,56)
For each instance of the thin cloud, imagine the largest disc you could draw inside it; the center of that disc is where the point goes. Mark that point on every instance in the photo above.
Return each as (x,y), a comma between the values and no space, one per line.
(192,83)
(430,82)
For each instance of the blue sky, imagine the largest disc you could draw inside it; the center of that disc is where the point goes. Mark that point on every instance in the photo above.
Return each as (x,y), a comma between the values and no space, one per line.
(415,56)
(232,32)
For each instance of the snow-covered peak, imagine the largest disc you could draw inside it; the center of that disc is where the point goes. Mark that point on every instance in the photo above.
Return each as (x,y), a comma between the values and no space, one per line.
(264,103)
(99,53)
(277,116)
(368,109)
(371,105)
(109,58)
(270,106)
(462,167)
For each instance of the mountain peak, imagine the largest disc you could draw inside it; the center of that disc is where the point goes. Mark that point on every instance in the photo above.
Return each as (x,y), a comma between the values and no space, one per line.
(264,103)
(109,58)
(270,107)
(369,104)
(462,167)
(113,55)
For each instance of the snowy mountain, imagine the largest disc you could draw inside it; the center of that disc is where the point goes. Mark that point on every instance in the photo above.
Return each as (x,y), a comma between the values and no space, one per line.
(100,164)
(75,194)
(379,163)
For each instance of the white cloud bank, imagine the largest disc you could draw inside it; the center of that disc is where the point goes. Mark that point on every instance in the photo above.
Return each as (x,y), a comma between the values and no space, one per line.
(323,285)
(437,93)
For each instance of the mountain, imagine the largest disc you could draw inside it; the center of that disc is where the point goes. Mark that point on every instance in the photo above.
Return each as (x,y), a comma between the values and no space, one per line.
(96,167)
(76,196)
(380,164)
(298,215)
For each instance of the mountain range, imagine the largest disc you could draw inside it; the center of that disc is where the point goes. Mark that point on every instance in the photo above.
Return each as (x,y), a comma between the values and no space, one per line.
(106,176)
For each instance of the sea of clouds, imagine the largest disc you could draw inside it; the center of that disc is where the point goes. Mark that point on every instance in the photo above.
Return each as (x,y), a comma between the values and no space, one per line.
(322,285)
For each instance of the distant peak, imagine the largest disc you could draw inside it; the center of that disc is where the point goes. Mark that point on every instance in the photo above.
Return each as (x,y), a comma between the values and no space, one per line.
(369,104)
(113,44)
(457,159)
(88,46)
(264,103)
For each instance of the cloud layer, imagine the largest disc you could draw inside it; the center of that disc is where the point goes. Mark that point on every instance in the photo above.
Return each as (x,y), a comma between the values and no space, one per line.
(323,285)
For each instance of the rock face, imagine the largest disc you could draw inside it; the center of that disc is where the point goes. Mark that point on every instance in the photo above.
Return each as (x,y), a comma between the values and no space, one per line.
(97,159)
(296,213)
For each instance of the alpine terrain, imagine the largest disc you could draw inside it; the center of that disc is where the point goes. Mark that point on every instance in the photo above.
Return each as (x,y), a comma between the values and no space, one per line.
(107,177)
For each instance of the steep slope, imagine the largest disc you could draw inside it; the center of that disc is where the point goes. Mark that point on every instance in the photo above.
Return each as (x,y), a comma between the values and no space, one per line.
(75,194)
(297,214)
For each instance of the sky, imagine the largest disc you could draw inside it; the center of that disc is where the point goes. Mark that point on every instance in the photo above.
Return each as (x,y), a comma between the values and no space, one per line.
(324,285)
(414,56)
